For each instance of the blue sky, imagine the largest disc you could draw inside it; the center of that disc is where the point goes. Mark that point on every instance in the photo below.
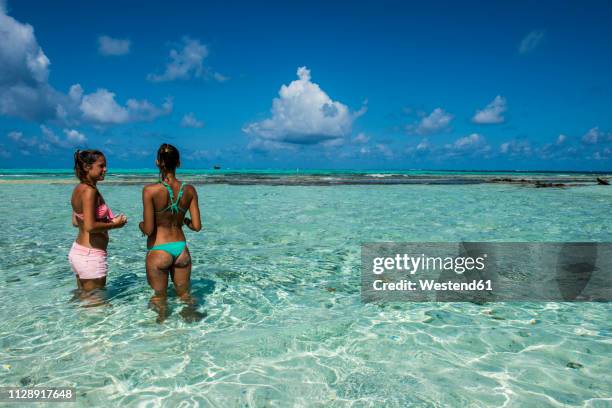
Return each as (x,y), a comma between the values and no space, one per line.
(360,85)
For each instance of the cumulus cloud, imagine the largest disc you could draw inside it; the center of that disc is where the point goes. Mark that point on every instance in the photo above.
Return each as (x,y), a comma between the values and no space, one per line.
(605,154)
(531,41)
(361,138)
(469,141)
(26,93)
(24,71)
(265,146)
(596,136)
(304,114)
(51,137)
(18,137)
(423,145)
(472,145)
(26,145)
(109,46)
(189,120)
(561,139)
(438,120)
(100,107)
(185,62)
(5,154)
(74,136)
(492,113)
(220,77)
(516,148)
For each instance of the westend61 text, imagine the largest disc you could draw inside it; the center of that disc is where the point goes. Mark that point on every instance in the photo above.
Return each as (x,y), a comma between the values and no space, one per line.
(412,264)
(430,284)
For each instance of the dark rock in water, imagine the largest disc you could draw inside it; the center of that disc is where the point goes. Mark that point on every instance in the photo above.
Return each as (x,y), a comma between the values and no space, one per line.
(216,167)
(330,289)
(573,365)
(602,182)
(191,315)
(25,381)
(541,185)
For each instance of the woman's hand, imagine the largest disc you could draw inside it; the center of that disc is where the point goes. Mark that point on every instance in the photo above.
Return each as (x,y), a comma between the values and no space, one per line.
(141,226)
(119,221)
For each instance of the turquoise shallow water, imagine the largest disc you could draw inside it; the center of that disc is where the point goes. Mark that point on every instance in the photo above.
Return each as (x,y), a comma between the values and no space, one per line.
(277,271)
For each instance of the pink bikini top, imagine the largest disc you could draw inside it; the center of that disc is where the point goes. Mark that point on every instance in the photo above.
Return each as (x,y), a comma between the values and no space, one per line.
(103,213)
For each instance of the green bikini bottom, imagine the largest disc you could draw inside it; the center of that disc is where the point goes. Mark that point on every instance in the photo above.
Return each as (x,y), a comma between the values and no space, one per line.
(173,248)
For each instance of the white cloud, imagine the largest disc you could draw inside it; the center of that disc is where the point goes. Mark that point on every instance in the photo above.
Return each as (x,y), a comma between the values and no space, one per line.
(516,148)
(266,146)
(100,107)
(384,150)
(75,136)
(27,144)
(5,154)
(469,141)
(189,120)
(51,136)
(220,77)
(531,41)
(595,136)
(423,145)
(26,93)
(561,139)
(24,70)
(201,155)
(603,155)
(437,121)
(361,138)
(145,111)
(492,113)
(185,63)
(304,114)
(109,46)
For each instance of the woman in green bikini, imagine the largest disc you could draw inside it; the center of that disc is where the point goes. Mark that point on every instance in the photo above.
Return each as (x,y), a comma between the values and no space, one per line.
(165,205)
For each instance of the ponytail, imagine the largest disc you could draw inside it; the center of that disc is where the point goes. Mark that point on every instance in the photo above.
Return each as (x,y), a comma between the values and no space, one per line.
(168,158)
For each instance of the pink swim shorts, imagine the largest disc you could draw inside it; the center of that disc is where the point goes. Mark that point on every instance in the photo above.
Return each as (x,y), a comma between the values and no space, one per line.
(88,263)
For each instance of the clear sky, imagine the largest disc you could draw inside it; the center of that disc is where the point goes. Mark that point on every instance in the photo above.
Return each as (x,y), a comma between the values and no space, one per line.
(338,85)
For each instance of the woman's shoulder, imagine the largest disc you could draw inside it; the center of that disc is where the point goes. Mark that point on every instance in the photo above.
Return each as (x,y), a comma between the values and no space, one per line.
(82,188)
(151,187)
(189,188)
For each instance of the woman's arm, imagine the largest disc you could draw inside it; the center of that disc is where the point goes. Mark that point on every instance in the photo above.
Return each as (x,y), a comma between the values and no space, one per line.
(147,226)
(194,210)
(90,224)
(75,221)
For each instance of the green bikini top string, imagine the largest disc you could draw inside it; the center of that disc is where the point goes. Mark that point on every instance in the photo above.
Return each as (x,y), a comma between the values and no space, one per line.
(173,206)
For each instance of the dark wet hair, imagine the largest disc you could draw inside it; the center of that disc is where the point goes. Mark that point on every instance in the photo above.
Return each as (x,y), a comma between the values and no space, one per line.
(83,158)
(168,158)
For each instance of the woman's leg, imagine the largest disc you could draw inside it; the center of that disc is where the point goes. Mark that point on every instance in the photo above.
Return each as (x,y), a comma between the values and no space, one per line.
(181,278)
(89,293)
(90,284)
(181,274)
(158,263)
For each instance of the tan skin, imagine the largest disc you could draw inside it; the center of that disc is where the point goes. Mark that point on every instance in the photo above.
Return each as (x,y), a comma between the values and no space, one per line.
(164,227)
(92,233)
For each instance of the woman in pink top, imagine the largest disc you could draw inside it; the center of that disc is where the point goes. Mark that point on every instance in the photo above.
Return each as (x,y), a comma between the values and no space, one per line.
(93,218)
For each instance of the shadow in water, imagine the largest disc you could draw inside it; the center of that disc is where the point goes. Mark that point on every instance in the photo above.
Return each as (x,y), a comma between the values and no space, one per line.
(192,301)
(125,286)
(92,298)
